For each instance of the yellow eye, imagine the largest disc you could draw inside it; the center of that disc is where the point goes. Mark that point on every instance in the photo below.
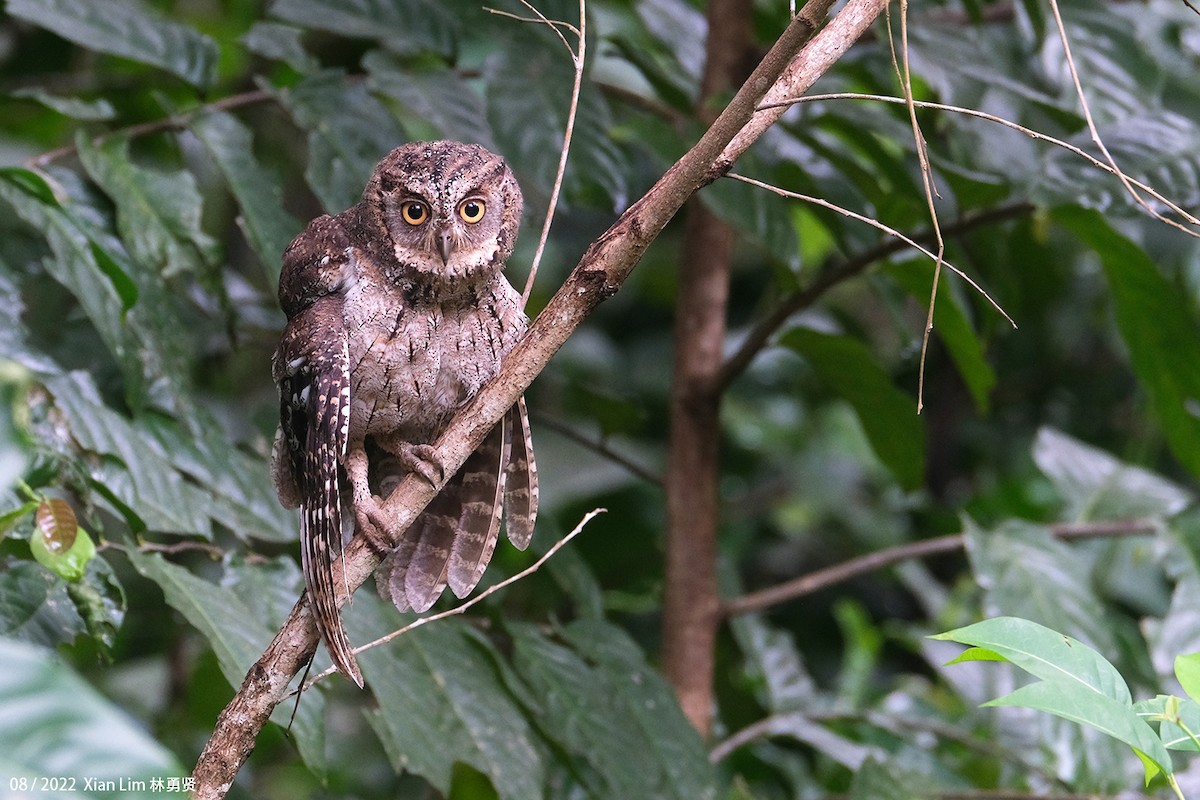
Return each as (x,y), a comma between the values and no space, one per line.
(472,210)
(414,212)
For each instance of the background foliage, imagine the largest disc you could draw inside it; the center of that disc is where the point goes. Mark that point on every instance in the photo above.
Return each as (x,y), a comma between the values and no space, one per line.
(157,158)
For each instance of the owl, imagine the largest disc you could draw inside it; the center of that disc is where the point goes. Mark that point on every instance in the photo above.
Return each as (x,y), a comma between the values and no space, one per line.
(398,312)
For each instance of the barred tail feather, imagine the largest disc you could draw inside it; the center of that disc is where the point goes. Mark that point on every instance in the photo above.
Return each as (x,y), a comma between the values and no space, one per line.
(521,489)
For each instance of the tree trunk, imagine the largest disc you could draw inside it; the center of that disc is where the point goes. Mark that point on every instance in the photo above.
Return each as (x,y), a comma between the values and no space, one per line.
(691,602)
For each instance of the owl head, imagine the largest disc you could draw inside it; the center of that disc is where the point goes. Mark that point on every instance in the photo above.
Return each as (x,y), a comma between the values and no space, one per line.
(448,209)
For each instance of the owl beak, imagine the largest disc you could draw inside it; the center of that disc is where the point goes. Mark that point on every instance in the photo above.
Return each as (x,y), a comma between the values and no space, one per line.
(445,243)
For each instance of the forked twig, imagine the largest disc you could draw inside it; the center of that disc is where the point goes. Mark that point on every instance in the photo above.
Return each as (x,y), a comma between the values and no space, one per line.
(881,226)
(461,609)
(577,58)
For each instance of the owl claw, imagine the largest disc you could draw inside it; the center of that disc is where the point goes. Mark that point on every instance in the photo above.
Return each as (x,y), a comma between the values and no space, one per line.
(423,460)
(372,523)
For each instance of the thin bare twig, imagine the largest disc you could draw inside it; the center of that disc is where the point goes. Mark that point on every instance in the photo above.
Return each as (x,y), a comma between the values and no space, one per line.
(839,573)
(462,608)
(936,233)
(927,186)
(760,335)
(1095,133)
(578,56)
(1031,133)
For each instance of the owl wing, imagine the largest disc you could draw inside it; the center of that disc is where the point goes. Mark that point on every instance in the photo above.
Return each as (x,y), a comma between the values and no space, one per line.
(312,369)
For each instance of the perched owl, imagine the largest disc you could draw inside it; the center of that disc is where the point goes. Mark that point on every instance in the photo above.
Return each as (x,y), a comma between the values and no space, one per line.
(398,313)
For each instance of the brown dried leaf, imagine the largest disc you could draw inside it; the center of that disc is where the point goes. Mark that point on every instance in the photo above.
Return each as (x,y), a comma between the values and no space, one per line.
(57,523)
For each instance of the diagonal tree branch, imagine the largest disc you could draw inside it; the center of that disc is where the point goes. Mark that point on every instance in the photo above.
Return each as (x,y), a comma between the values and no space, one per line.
(786,70)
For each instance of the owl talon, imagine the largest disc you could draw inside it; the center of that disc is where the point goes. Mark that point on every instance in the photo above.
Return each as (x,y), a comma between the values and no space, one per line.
(372,522)
(423,460)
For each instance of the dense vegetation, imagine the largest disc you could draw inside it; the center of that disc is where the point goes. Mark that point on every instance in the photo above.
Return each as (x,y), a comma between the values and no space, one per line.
(158,156)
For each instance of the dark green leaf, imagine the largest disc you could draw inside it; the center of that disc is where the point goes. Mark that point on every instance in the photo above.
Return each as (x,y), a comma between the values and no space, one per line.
(240,494)
(349,131)
(1166,354)
(267,225)
(415,26)
(534,83)
(30,182)
(282,42)
(137,473)
(238,633)
(649,707)
(888,416)
(158,213)
(441,702)
(774,665)
(588,710)
(69,106)
(35,606)
(126,28)
(440,99)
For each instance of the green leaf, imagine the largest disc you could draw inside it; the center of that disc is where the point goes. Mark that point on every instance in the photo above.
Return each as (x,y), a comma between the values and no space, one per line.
(441,702)
(588,710)
(438,98)
(951,326)
(240,494)
(126,28)
(1187,671)
(1045,654)
(533,81)
(135,472)
(282,42)
(99,599)
(649,708)
(415,26)
(56,724)
(1026,572)
(1074,701)
(67,561)
(30,182)
(88,110)
(158,212)
(976,654)
(349,131)
(238,632)
(1165,354)
(888,415)
(267,225)
(1175,718)
(1095,485)
(35,606)
(132,316)
(1159,148)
